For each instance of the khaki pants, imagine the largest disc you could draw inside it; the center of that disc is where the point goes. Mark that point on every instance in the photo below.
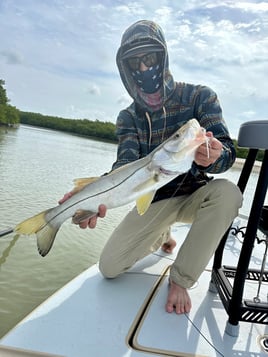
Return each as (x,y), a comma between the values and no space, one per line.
(211,209)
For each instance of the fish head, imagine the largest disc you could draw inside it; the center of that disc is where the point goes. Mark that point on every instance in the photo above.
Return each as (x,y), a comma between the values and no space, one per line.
(176,154)
(188,137)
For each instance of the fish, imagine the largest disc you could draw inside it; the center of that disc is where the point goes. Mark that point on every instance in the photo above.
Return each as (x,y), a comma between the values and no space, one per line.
(135,181)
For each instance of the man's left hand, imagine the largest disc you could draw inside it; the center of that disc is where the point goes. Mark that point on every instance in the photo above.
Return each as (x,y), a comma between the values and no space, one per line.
(207,153)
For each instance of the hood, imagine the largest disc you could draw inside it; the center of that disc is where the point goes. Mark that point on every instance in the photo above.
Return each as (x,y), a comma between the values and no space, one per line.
(142,33)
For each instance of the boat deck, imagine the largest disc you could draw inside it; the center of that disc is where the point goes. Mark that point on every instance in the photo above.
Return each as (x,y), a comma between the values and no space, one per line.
(92,316)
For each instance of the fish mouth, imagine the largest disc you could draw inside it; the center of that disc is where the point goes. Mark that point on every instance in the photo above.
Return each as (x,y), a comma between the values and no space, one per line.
(167,172)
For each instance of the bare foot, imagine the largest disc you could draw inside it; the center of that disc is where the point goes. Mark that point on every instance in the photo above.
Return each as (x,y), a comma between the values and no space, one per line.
(169,246)
(178,299)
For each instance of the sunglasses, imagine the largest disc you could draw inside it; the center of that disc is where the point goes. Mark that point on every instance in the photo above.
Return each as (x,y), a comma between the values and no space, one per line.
(150,59)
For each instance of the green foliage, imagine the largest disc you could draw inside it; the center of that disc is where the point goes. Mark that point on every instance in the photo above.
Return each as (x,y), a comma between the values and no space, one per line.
(9,115)
(85,127)
(12,115)
(2,114)
(3,96)
(243,152)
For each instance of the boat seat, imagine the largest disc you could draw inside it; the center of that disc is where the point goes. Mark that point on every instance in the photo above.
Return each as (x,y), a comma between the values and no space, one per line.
(254,136)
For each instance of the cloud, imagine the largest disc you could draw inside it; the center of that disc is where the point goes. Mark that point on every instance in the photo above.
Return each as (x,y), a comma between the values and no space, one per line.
(58,57)
(11,57)
(131,8)
(93,89)
(249,114)
(124,100)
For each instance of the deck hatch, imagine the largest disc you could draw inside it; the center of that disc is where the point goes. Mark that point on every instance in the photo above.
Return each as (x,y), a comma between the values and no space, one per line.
(140,334)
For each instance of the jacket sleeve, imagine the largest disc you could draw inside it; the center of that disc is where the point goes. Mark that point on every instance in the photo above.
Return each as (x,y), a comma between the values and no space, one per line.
(209,114)
(128,149)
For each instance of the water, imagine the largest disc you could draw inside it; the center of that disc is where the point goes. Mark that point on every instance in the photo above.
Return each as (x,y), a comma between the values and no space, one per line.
(37,167)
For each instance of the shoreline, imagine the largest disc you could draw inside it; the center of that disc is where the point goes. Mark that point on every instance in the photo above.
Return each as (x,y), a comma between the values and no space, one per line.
(238,164)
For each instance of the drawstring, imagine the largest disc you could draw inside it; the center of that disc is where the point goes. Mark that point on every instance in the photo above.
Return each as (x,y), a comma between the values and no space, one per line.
(150,126)
(165,123)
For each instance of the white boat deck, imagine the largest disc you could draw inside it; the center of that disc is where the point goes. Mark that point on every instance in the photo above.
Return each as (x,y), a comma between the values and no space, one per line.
(92,316)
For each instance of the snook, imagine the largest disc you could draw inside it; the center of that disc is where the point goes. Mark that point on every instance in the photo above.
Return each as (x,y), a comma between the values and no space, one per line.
(137,180)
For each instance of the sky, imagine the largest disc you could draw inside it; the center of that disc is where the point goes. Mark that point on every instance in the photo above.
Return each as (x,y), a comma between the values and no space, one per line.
(57,57)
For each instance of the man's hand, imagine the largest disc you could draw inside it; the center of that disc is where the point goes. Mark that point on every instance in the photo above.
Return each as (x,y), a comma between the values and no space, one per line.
(92,221)
(207,153)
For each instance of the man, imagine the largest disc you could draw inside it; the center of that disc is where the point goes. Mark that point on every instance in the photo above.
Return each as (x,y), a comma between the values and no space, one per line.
(160,106)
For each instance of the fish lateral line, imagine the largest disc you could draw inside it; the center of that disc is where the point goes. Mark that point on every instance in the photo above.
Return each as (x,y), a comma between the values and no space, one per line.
(88,197)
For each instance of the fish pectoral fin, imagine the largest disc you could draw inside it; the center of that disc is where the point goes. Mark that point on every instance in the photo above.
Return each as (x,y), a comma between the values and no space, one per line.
(144,202)
(80,183)
(80,215)
(146,184)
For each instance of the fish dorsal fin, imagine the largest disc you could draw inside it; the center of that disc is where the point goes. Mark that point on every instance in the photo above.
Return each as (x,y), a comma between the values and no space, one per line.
(143,202)
(80,183)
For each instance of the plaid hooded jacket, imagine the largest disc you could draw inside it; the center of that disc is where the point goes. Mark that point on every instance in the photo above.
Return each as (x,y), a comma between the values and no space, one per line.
(140,129)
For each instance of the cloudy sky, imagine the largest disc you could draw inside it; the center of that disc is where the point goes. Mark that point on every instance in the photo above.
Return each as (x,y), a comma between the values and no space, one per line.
(57,57)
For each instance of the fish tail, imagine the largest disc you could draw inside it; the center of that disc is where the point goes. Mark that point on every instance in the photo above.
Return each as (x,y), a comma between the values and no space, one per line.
(32,225)
(45,238)
(45,231)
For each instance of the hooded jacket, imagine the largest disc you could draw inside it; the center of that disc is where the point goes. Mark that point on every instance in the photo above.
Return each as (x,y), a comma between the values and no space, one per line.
(140,129)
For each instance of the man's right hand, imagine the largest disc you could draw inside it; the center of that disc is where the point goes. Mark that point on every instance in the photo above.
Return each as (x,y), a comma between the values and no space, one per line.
(92,221)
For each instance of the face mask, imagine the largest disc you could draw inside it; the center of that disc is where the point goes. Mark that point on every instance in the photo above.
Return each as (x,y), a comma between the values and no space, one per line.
(150,80)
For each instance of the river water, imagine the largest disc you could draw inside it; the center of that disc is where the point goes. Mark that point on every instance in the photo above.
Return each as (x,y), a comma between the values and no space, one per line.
(37,166)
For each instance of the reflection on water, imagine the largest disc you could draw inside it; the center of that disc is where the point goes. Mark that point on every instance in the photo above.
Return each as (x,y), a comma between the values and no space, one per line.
(6,252)
(37,167)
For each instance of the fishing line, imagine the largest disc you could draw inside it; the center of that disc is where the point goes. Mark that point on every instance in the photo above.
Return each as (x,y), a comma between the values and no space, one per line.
(6,232)
(201,333)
